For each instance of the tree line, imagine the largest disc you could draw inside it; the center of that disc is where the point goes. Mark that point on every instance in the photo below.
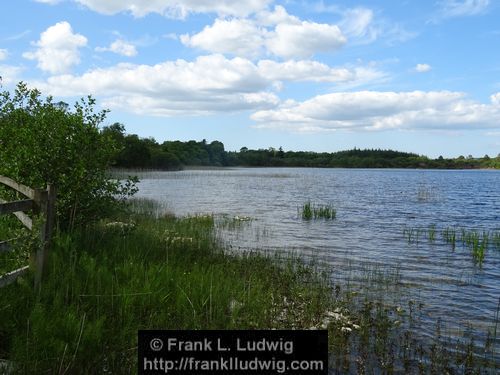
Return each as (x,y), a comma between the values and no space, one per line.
(136,152)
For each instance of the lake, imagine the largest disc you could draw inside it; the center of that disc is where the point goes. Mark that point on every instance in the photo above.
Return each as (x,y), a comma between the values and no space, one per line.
(367,245)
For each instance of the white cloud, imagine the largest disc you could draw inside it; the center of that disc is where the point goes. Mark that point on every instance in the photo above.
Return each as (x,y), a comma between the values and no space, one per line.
(192,106)
(457,8)
(308,70)
(276,32)
(240,37)
(3,54)
(120,47)
(57,48)
(208,84)
(422,68)
(304,40)
(373,110)
(176,8)
(278,16)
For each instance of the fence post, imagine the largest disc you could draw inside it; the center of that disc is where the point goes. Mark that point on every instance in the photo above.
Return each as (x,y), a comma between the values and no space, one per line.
(45,201)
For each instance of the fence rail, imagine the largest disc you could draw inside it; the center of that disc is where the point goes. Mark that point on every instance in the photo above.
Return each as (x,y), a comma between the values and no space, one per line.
(40,201)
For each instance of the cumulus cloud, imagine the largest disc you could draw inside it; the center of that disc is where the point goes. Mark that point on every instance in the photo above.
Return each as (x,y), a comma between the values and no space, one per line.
(374,110)
(194,106)
(304,40)
(120,47)
(176,8)
(277,16)
(276,32)
(309,70)
(422,68)
(241,37)
(58,48)
(458,8)
(208,84)
(3,54)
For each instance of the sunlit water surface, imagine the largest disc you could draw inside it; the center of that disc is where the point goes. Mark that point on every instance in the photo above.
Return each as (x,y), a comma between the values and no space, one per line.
(366,240)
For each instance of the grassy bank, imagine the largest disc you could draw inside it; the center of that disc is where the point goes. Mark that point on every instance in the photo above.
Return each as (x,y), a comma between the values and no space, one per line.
(107,281)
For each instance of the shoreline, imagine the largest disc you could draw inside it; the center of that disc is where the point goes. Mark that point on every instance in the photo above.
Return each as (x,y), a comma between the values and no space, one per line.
(219,168)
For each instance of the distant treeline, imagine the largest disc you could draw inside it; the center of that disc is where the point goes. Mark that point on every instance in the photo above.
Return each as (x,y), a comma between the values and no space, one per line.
(136,152)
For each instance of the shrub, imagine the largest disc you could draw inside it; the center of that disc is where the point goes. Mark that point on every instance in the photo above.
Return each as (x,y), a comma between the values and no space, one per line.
(45,142)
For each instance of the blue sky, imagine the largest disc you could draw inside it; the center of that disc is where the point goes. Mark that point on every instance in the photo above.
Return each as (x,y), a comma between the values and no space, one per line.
(419,76)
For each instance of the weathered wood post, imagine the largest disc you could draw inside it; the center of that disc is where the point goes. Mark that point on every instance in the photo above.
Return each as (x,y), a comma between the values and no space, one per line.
(45,204)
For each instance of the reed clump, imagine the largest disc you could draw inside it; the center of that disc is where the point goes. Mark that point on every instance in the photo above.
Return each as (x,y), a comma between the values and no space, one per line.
(310,211)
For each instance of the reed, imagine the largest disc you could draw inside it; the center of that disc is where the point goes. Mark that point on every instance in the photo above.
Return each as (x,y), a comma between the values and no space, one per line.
(450,236)
(310,211)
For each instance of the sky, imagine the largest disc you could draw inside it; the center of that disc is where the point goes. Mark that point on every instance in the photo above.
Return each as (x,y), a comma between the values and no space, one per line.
(419,76)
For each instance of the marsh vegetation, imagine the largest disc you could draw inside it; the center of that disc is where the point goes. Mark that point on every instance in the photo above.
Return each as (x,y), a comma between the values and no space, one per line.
(310,211)
(139,271)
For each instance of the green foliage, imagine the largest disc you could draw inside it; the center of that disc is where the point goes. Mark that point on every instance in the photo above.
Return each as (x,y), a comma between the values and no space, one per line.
(43,142)
(139,152)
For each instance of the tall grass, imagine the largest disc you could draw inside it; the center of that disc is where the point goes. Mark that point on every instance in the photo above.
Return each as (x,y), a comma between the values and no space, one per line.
(105,283)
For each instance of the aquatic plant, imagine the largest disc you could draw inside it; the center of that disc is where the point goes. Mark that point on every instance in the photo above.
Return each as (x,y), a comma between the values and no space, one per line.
(450,236)
(310,211)
(409,234)
(478,242)
(412,235)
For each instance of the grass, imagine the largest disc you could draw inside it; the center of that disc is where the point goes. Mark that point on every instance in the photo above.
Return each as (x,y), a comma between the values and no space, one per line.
(310,211)
(19,243)
(143,272)
(105,283)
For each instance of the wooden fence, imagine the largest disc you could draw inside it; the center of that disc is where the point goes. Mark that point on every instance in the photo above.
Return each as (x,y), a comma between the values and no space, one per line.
(39,201)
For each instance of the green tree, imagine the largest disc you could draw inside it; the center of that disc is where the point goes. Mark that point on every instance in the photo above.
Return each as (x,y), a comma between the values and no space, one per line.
(44,142)
(135,153)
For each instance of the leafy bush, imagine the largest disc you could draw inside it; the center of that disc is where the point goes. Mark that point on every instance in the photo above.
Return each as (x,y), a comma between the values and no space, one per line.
(44,142)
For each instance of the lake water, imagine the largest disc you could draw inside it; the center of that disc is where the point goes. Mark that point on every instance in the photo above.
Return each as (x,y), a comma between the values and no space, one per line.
(366,240)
